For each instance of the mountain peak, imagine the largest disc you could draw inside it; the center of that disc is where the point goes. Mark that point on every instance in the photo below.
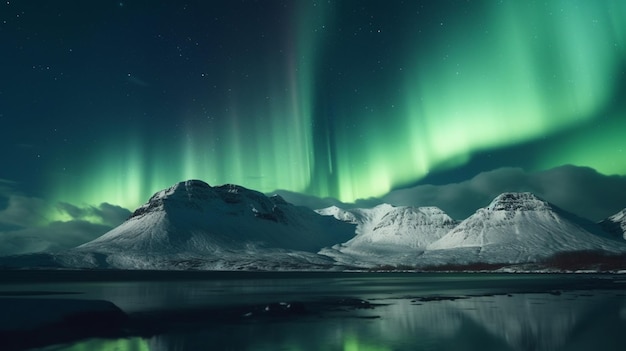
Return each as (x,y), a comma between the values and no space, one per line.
(616,224)
(619,216)
(518,202)
(186,191)
(278,200)
(519,227)
(194,218)
(197,195)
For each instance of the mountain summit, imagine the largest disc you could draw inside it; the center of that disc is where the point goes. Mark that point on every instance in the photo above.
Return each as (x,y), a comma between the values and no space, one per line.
(514,202)
(515,228)
(616,224)
(221,223)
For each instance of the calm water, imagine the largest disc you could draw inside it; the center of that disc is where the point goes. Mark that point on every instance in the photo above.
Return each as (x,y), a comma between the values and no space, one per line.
(339,311)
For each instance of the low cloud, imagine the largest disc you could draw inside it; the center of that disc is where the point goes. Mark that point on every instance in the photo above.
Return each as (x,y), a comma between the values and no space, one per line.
(314,202)
(105,213)
(26,226)
(579,190)
(23,211)
(6,184)
(52,237)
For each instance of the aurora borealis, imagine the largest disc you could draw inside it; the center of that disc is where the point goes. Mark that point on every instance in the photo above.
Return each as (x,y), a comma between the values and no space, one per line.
(110,101)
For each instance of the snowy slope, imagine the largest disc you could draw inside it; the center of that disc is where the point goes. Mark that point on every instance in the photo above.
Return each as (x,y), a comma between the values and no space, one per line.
(387,234)
(352,216)
(616,224)
(194,225)
(517,228)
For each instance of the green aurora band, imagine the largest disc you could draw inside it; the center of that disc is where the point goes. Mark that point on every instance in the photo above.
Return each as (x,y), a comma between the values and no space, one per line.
(524,72)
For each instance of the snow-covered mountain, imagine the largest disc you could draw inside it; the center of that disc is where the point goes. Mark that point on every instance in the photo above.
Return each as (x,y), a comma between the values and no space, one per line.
(616,224)
(194,225)
(517,228)
(387,235)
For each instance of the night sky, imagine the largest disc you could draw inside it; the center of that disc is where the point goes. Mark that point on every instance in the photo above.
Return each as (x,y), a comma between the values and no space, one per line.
(413,102)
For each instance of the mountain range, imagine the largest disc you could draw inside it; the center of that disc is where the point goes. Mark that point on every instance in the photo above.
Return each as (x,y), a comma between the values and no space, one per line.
(193,225)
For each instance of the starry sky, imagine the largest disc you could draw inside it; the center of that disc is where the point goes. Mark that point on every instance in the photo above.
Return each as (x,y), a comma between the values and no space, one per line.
(103,103)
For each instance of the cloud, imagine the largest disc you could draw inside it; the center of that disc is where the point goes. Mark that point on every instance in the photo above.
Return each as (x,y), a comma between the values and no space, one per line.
(6,186)
(23,211)
(30,224)
(7,181)
(112,214)
(314,202)
(579,190)
(51,237)
(105,213)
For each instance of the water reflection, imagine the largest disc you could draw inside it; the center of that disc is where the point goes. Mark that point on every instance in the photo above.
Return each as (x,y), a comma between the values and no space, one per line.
(126,344)
(280,336)
(568,321)
(502,312)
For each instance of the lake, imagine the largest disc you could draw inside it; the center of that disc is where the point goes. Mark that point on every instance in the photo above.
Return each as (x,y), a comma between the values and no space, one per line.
(341,311)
